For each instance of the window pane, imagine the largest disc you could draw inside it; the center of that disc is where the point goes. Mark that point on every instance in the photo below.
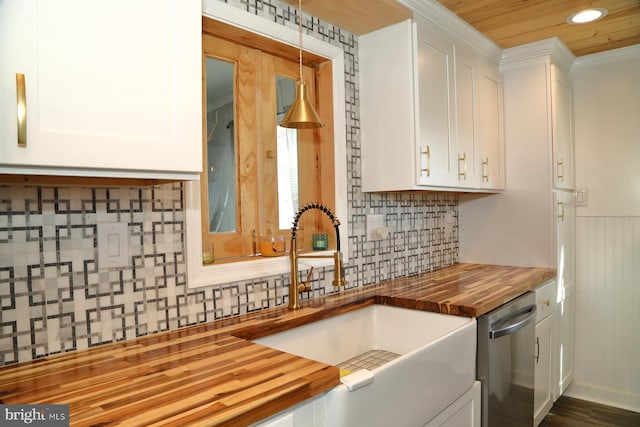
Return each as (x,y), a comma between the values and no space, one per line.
(287,155)
(221,163)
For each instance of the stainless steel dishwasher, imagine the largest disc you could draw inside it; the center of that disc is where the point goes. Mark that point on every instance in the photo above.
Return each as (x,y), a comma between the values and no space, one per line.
(505,363)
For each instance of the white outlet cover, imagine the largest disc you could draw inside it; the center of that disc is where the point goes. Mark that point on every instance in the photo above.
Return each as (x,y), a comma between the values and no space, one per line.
(113,244)
(582,197)
(450,218)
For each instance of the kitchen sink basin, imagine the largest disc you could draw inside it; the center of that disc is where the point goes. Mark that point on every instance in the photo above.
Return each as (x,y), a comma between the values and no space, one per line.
(400,366)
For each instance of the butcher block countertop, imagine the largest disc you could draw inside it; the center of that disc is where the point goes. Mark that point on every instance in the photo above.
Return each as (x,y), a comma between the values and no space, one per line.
(210,374)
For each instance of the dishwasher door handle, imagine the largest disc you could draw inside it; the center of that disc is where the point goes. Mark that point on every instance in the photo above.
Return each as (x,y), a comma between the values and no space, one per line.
(530,311)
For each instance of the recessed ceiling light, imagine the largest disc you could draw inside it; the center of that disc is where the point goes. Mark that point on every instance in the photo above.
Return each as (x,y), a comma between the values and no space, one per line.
(587,15)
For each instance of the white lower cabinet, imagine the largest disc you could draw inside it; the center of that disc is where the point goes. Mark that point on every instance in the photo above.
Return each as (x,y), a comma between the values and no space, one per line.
(545,354)
(543,390)
(565,339)
(310,413)
(464,412)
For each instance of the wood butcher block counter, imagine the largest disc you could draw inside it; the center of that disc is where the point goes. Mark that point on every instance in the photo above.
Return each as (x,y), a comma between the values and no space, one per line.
(210,374)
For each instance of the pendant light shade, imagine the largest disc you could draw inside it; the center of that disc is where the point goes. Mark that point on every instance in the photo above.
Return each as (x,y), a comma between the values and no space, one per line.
(301,114)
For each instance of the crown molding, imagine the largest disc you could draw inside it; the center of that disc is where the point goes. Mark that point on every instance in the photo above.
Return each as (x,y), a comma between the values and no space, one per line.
(449,22)
(547,50)
(614,55)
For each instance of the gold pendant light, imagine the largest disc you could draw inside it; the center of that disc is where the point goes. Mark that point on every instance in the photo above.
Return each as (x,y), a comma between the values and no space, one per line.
(301,114)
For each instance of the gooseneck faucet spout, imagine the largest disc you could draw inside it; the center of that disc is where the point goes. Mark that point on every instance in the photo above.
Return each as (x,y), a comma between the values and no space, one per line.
(296,287)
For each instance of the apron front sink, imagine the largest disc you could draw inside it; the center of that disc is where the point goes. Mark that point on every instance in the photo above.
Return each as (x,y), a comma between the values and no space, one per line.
(400,366)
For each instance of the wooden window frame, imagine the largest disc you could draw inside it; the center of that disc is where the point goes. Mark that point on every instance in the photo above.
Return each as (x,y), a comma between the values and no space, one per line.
(258,30)
(255,72)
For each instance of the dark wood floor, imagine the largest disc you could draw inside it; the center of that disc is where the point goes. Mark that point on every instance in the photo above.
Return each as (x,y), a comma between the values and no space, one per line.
(569,412)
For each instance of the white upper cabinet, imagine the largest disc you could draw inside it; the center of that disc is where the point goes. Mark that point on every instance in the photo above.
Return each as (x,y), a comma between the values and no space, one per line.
(113,89)
(467,122)
(562,125)
(387,113)
(491,127)
(398,73)
(430,118)
(479,124)
(434,108)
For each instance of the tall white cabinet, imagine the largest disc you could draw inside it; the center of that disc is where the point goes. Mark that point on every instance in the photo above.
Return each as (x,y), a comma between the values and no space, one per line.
(111,88)
(532,223)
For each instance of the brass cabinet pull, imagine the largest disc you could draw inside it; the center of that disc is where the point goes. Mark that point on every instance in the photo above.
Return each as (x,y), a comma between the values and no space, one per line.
(462,158)
(21,93)
(427,153)
(485,169)
(561,211)
(560,169)
(537,350)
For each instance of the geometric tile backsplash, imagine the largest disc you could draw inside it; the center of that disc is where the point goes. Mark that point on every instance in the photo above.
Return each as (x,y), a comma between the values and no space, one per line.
(54,297)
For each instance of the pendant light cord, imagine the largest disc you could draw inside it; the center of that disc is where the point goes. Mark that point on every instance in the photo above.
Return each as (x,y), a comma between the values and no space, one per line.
(300,44)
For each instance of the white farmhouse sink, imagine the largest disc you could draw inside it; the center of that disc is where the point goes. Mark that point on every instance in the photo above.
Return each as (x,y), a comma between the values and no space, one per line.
(436,363)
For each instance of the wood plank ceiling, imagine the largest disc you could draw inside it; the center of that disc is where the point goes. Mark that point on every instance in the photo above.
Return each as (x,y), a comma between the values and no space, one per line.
(507,22)
(514,22)
(356,16)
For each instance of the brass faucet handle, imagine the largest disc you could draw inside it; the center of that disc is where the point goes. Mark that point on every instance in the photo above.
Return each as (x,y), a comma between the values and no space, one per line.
(306,285)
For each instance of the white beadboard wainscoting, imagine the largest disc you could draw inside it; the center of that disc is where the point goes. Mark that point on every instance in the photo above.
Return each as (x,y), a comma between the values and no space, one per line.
(607,347)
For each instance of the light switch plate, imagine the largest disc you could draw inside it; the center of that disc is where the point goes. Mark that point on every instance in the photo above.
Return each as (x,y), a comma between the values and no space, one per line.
(375,227)
(113,244)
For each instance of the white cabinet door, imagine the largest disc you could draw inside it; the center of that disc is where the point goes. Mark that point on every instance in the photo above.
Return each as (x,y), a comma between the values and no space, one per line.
(544,368)
(565,343)
(390,155)
(565,234)
(479,142)
(491,128)
(467,143)
(310,413)
(464,412)
(562,125)
(406,102)
(17,50)
(565,239)
(112,88)
(435,107)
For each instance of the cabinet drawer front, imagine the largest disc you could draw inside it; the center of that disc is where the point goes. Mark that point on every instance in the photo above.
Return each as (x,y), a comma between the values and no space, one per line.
(545,299)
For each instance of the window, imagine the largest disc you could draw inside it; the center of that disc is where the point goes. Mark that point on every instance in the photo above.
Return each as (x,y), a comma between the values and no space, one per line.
(256,174)
(234,24)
